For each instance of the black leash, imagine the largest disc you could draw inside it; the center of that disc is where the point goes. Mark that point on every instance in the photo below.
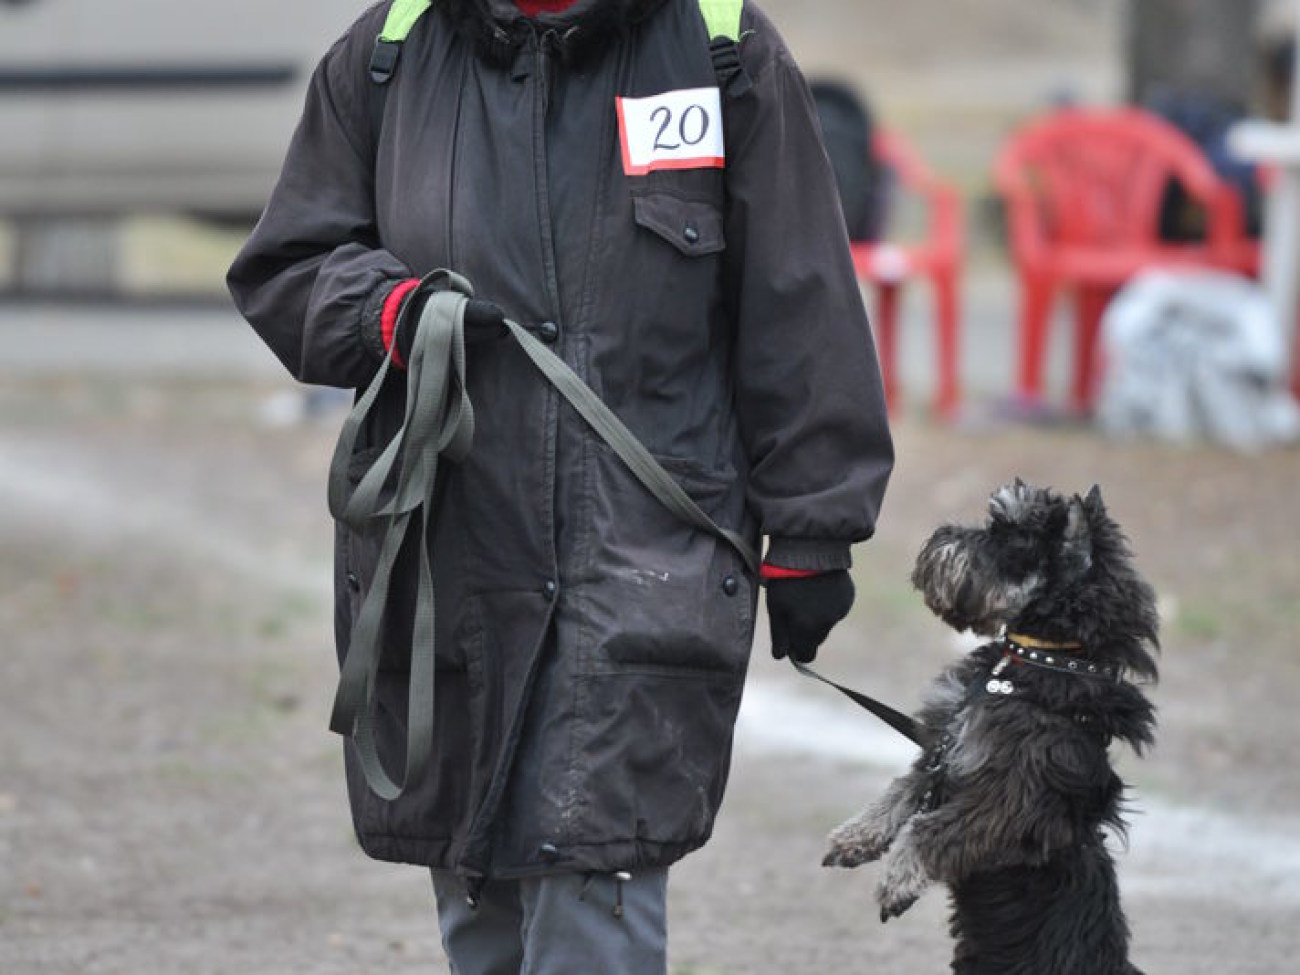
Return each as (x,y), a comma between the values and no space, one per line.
(908,727)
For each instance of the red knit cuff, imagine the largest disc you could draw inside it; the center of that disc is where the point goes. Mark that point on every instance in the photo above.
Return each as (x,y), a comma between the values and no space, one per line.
(388,317)
(768,571)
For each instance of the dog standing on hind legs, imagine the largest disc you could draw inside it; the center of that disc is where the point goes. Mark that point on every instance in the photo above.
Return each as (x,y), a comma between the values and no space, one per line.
(1011,799)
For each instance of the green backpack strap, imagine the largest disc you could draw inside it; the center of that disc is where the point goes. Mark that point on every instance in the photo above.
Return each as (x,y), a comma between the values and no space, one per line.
(722,24)
(722,18)
(721,21)
(402,16)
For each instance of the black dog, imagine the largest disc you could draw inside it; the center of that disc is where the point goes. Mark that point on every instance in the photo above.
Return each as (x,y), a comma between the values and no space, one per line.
(1012,798)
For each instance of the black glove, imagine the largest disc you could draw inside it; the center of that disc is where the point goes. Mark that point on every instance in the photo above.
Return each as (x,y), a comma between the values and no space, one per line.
(483,321)
(802,611)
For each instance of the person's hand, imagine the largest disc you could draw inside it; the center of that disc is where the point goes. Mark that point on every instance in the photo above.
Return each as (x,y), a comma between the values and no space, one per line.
(483,321)
(802,611)
(408,322)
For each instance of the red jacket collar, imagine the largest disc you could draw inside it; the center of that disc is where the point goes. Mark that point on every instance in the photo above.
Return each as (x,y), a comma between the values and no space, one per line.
(532,8)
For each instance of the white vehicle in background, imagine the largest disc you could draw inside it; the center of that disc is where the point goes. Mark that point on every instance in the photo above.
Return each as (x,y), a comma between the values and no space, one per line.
(116,107)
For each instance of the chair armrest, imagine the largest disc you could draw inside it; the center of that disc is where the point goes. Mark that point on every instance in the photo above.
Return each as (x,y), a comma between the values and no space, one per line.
(943,206)
(1026,235)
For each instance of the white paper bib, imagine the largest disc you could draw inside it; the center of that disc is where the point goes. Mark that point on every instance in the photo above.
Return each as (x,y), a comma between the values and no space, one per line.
(676,130)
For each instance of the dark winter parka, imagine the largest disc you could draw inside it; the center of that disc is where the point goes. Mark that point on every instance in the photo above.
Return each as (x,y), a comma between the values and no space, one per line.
(591,648)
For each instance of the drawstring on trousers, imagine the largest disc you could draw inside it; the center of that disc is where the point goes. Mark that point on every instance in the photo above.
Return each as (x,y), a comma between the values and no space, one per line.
(620,878)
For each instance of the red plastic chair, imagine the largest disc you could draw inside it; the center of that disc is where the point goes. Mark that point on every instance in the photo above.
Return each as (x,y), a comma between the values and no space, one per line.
(938,256)
(1083,189)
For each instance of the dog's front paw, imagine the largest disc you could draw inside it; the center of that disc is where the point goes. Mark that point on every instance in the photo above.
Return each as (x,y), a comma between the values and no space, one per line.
(896,894)
(905,878)
(895,906)
(849,848)
(853,844)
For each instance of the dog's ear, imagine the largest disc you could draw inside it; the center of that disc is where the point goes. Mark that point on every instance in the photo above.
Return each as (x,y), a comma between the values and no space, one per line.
(1076,544)
(1093,501)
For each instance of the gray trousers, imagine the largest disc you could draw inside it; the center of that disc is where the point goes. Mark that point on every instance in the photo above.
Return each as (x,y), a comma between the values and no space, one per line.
(567,924)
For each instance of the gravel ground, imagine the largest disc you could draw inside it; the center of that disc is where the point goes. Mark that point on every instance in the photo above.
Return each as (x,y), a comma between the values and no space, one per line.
(171,802)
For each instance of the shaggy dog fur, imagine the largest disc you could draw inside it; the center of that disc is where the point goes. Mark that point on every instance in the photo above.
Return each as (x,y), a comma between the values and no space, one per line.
(1010,802)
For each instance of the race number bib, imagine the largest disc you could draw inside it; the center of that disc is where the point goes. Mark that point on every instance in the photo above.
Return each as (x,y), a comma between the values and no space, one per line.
(675,130)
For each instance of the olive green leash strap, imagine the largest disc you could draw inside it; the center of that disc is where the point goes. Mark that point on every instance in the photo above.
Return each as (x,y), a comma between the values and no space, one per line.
(439,421)
(630,450)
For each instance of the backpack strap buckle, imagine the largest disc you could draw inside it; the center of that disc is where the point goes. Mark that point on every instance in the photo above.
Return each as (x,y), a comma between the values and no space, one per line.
(731,74)
(383,60)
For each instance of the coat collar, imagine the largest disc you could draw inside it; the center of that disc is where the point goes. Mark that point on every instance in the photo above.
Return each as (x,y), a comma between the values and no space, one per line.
(499,30)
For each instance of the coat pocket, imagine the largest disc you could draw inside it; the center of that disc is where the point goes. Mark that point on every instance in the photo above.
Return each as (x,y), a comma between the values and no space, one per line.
(694,227)
(668,598)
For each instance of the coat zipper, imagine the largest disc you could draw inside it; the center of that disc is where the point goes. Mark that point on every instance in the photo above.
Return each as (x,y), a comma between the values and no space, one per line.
(544,46)
(475,862)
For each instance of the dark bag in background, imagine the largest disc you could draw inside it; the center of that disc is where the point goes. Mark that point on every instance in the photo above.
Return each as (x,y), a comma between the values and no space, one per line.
(848,127)
(1206,121)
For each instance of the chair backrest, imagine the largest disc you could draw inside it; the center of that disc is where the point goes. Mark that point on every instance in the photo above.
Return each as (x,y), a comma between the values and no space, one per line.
(1097,177)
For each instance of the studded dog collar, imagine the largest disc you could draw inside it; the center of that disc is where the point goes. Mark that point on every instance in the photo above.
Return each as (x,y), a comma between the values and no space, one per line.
(1037,643)
(1053,656)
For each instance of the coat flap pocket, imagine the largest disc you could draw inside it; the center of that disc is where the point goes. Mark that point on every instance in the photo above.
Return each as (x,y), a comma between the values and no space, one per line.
(694,227)
(701,483)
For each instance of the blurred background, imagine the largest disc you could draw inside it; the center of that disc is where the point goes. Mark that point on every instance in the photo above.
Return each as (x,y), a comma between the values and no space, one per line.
(151,140)
(170,800)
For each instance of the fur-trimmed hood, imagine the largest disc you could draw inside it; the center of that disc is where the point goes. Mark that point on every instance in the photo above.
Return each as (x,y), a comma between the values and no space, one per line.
(499,30)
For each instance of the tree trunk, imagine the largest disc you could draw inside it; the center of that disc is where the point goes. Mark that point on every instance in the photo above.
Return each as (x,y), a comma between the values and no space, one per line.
(1204,47)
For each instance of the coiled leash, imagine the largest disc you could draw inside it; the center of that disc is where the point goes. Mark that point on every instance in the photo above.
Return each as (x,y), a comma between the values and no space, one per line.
(439,421)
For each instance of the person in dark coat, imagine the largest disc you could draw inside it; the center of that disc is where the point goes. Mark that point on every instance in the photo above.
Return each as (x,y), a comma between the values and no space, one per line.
(590,646)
